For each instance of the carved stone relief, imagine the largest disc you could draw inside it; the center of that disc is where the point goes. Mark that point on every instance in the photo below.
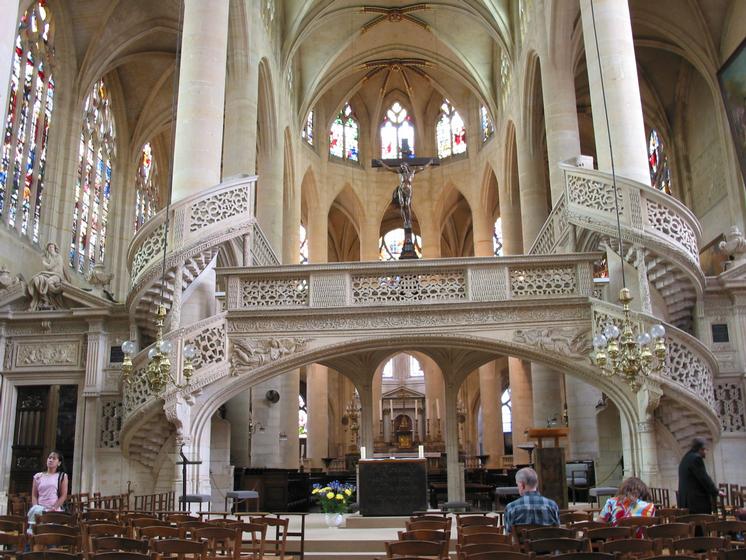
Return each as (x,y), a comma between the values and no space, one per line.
(566,341)
(47,354)
(249,353)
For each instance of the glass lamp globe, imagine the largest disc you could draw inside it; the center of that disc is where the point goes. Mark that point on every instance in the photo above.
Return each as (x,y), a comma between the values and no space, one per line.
(128,347)
(152,353)
(644,339)
(190,351)
(600,341)
(658,331)
(165,346)
(611,332)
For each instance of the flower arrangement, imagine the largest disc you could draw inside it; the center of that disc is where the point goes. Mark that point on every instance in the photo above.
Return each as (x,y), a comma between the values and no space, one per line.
(334,497)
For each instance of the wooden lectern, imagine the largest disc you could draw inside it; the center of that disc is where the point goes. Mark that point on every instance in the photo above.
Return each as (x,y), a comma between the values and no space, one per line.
(549,463)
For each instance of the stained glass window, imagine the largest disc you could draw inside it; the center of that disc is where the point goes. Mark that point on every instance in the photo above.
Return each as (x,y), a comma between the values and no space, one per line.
(303,245)
(147,193)
(507,411)
(488,129)
(344,135)
(30,105)
(450,132)
(660,176)
(397,133)
(391,244)
(497,238)
(93,185)
(307,132)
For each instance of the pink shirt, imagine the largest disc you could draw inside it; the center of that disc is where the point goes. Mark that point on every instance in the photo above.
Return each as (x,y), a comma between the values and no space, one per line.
(46,486)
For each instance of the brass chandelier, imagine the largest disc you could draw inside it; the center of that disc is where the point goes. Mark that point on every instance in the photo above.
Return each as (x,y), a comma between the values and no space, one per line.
(158,374)
(619,350)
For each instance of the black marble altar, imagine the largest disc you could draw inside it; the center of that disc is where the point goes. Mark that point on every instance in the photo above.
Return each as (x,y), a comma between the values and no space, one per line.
(388,487)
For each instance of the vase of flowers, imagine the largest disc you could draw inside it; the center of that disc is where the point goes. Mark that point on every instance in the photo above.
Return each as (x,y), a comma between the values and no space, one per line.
(334,499)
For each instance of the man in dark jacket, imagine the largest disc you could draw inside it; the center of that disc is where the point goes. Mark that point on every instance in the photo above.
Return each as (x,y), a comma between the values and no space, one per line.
(696,488)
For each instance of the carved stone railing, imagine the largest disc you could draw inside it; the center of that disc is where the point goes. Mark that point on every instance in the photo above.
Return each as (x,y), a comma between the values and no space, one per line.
(411,282)
(691,367)
(208,336)
(647,216)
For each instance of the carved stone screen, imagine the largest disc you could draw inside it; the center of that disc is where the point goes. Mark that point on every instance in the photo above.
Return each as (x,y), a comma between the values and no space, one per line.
(392,486)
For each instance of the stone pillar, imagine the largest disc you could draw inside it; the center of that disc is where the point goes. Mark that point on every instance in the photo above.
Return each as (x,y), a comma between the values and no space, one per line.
(519,372)
(510,216)
(493,443)
(8,398)
(532,189)
(615,58)
(365,392)
(546,385)
(269,193)
(8,28)
(317,376)
(369,235)
(241,88)
(174,315)
(455,474)
(581,414)
(96,358)
(649,471)
(560,114)
(237,413)
(199,117)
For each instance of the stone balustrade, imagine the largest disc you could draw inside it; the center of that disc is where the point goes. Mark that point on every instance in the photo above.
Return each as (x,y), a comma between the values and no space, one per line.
(435,281)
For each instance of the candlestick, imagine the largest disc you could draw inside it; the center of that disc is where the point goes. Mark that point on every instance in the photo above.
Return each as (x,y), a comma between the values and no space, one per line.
(415,411)
(421,451)
(437,408)
(380,410)
(391,408)
(362,452)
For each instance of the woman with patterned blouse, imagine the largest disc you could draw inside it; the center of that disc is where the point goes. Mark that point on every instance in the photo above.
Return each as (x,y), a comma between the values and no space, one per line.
(633,500)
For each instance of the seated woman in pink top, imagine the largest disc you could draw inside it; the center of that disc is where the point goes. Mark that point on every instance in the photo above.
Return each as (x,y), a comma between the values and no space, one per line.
(49,490)
(633,500)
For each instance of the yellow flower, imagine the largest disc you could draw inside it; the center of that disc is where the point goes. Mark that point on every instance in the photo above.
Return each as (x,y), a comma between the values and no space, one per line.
(315,491)
(340,497)
(348,492)
(330,495)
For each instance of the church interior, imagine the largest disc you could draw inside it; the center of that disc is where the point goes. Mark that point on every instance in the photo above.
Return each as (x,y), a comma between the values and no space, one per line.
(201,252)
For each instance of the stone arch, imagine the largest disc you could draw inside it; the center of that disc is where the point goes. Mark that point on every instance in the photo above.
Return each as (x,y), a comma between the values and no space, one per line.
(456,224)
(344,226)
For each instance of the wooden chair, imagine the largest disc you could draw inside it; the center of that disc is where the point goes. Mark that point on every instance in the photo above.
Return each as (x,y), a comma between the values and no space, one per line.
(113,544)
(557,545)
(121,555)
(253,547)
(574,517)
(502,555)
(550,533)
(698,519)
(188,527)
(732,554)
(663,535)
(463,521)
(101,530)
(670,514)
(486,538)
(439,525)
(728,529)
(56,517)
(56,541)
(699,545)
(276,545)
(100,515)
(582,527)
(584,556)
(48,555)
(11,544)
(181,518)
(424,549)
(630,548)
(468,550)
(16,519)
(222,542)
(138,523)
(178,549)
(427,535)
(42,528)
(673,557)
(159,532)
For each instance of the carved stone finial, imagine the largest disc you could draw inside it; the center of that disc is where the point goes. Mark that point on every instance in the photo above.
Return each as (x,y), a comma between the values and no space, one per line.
(734,244)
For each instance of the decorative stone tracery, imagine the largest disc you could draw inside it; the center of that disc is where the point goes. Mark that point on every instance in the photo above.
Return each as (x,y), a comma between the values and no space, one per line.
(730,407)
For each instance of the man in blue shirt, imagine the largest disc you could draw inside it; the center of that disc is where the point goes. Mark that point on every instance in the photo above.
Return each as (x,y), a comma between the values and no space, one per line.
(531,508)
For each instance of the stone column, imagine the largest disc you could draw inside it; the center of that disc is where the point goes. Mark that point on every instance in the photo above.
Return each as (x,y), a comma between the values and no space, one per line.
(492,427)
(533,197)
(269,193)
(365,392)
(96,357)
(546,385)
(8,28)
(581,413)
(455,474)
(615,58)
(199,117)
(8,398)
(560,114)
(519,372)
(649,471)
(369,235)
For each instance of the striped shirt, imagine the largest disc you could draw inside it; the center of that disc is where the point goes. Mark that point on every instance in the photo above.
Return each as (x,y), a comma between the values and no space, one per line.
(531,509)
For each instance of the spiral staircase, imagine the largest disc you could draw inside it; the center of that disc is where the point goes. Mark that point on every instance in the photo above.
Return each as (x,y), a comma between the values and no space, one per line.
(216,223)
(660,239)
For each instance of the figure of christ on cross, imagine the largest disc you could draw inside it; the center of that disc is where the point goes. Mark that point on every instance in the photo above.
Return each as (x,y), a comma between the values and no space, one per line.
(402,196)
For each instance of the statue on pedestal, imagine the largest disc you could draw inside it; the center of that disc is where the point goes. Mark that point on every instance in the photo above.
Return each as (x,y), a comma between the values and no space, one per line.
(45,289)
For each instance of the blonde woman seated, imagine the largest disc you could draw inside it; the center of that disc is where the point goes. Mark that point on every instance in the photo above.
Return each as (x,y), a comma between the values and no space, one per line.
(633,500)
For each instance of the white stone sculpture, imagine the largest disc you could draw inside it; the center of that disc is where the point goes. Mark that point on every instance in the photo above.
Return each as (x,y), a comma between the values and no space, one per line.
(734,245)
(100,279)
(6,280)
(45,289)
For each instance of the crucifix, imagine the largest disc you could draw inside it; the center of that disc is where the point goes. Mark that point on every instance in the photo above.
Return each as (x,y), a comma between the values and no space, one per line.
(406,167)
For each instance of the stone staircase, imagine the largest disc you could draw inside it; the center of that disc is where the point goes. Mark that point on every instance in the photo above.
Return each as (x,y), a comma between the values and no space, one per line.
(683,422)
(659,234)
